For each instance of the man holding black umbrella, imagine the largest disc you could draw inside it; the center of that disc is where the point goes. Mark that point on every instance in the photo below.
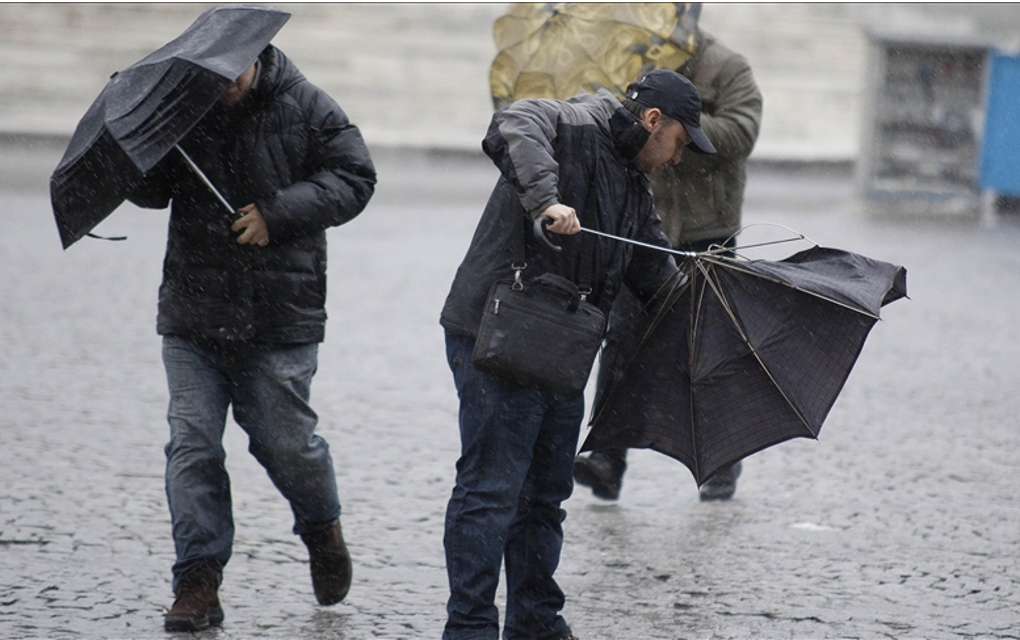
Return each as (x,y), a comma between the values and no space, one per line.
(241,312)
(581,163)
(552,50)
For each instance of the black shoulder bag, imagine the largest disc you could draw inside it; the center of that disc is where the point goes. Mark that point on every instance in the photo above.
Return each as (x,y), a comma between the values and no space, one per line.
(542,333)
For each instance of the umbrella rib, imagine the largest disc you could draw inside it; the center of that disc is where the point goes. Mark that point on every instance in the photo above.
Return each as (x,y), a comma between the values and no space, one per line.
(754,352)
(667,304)
(730,264)
(692,323)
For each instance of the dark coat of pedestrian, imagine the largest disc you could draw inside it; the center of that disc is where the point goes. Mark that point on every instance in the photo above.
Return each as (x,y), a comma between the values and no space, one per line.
(699,201)
(241,312)
(578,162)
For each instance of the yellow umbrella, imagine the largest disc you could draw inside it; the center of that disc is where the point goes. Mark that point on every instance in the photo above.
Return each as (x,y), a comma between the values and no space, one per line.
(554,50)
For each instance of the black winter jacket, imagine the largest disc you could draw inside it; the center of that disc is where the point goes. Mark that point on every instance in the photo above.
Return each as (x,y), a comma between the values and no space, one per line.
(575,152)
(288,148)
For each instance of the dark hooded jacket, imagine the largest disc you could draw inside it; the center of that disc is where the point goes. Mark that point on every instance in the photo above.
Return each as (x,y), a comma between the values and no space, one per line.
(575,153)
(289,149)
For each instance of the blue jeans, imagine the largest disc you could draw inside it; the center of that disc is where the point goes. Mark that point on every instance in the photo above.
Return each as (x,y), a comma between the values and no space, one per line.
(515,468)
(269,391)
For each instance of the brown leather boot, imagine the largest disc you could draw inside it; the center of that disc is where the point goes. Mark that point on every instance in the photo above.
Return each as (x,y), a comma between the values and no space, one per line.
(330,563)
(197,606)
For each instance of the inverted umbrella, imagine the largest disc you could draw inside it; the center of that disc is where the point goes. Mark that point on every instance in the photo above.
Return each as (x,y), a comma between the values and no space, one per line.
(147,108)
(554,50)
(735,356)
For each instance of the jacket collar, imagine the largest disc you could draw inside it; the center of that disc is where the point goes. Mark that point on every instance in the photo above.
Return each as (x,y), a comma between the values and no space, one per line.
(628,134)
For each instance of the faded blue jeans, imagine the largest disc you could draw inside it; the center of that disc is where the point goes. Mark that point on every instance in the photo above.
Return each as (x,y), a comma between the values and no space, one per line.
(269,392)
(515,468)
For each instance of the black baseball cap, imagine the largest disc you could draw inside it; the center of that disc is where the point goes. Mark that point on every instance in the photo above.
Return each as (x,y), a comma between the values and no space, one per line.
(675,96)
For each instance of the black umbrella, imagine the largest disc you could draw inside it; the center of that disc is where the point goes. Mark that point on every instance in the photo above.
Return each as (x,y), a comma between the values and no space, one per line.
(735,356)
(145,110)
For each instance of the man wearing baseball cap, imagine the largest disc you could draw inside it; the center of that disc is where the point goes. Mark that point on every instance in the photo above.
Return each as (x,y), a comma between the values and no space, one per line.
(669,110)
(579,161)
(677,98)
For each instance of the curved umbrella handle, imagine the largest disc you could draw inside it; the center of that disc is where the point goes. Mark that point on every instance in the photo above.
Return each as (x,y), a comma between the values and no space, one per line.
(540,223)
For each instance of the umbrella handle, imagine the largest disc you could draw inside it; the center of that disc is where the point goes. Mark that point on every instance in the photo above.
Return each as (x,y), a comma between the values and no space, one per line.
(541,222)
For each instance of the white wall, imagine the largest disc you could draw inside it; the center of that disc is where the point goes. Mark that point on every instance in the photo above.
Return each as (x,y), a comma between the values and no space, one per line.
(417,74)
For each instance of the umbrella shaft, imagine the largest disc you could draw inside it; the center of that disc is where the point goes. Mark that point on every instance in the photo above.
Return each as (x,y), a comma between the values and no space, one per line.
(686,254)
(205,180)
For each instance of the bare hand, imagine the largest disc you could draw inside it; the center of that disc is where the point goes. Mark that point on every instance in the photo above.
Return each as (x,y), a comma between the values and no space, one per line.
(252,226)
(564,219)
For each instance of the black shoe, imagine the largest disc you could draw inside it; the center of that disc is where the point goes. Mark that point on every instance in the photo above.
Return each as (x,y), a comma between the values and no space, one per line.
(330,564)
(722,485)
(602,473)
(197,606)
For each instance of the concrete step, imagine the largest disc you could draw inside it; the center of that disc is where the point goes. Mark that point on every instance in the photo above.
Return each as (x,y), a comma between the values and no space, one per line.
(417,74)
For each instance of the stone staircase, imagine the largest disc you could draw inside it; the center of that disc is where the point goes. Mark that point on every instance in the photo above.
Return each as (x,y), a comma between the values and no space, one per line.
(417,74)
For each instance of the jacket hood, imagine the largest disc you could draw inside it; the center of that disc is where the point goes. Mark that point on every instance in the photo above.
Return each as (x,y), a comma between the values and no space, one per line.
(278,74)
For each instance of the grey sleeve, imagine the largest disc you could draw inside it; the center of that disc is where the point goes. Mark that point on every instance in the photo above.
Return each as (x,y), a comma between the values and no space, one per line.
(529,128)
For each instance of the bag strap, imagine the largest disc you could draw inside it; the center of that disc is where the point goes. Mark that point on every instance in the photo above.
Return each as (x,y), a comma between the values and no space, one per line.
(519,261)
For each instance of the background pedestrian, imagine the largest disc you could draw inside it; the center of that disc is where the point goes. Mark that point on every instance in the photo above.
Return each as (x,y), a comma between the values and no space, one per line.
(699,201)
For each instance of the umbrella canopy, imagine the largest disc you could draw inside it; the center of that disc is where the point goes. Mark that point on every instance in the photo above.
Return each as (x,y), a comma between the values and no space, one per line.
(147,108)
(554,50)
(735,356)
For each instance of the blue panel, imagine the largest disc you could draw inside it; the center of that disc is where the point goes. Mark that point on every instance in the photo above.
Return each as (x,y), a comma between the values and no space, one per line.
(1000,151)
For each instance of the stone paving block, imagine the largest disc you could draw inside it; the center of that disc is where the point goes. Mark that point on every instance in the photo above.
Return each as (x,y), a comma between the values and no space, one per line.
(899,522)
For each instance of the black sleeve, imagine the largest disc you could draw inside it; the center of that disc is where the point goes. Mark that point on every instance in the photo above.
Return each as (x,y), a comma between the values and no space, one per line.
(649,269)
(340,182)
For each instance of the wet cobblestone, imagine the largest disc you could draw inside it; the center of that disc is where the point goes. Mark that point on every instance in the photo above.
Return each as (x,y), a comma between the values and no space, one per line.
(900,522)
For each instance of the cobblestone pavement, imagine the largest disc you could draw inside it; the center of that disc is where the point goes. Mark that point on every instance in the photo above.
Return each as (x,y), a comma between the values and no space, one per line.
(900,522)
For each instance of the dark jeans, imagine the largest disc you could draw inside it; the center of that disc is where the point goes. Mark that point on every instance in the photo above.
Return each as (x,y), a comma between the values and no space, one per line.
(515,468)
(269,390)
